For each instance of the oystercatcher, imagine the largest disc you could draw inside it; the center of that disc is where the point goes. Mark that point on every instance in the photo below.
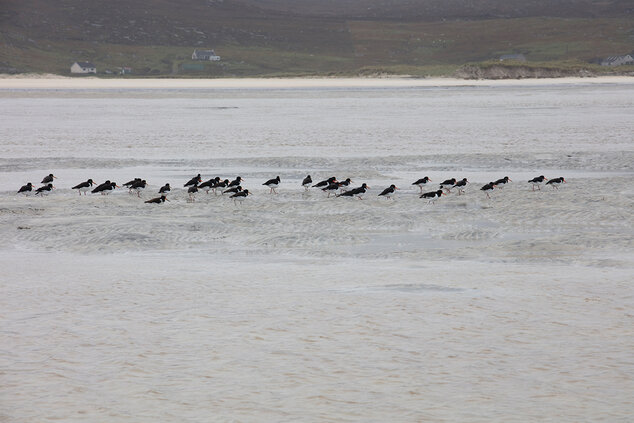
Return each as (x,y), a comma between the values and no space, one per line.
(232,190)
(48,179)
(306,182)
(421,183)
(194,181)
(461,185)
(501,182)
(448,184)
(105,188)
(240,196)
(236,181)
(25,189)
(488,187)
(387,192)
(192,192)
(210,184)
(129,183)
(44,190)
(333,187)
(537,182)
(84,187)
(272,184)
(221,185)
(138,187)
(158,200)
(344,184)
(556,182)
(356,192)
(325,182)
(431,196)
(165,188)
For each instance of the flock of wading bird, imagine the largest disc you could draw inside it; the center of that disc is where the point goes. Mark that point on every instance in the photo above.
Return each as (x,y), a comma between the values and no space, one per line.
(234,189)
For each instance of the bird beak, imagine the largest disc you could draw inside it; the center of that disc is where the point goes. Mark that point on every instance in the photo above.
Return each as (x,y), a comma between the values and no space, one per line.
(166,199)
(397,188)
(510,180)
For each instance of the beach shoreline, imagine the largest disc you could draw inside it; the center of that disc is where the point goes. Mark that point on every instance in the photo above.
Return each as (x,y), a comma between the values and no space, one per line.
(49,81)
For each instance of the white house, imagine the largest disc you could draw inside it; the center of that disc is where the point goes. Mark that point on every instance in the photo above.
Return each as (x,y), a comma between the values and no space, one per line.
(618,60)
(83,67)
(205,55)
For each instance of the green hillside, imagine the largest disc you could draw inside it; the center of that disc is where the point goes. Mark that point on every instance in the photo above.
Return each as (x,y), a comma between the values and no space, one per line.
(157,38)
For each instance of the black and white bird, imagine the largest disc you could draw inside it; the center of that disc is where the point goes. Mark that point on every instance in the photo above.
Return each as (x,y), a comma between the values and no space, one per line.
(84,187)
(48,179)
(193,181)
(191,191)
(105,188)
(325,182)
(210,184)
(421,183)
(556,182)
(461,185)
(26,189)
(138,186)
(46,189)
(240,196)
(502,181)
(488,187)
(306,182)
(158,200)
(388,192)
(272,184)
(129,183)
(165,189)
(537,182)
(221,185)
(343,185)
(448,184)
(232,190)
(236,182)
(432,196)
(331,188)
(355,192)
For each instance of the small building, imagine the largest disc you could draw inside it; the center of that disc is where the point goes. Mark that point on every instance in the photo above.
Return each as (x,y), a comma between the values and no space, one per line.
(515,57)
(205,55)
(83,67)
(618,60)
(125,70)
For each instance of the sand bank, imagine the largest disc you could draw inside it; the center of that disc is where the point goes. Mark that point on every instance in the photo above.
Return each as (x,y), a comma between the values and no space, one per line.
(58,82)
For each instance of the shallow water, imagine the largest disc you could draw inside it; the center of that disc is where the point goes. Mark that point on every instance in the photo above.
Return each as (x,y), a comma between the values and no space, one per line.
(300,307)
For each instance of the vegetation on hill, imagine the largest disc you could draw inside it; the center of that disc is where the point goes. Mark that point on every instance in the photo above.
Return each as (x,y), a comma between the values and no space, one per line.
(310,38)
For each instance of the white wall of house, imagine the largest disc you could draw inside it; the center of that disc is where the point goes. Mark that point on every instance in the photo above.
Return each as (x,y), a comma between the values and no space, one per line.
(76,68)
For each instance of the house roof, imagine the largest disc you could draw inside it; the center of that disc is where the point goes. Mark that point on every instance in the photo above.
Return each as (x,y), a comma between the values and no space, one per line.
(85,64)
(615,58)
(209,52)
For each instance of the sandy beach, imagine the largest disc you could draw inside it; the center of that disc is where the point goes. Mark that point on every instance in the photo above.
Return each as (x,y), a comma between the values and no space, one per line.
(300,307)
(31,81)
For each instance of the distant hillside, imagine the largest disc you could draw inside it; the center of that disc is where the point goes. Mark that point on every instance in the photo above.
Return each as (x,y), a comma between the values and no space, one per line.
(305,37)
(447,9)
